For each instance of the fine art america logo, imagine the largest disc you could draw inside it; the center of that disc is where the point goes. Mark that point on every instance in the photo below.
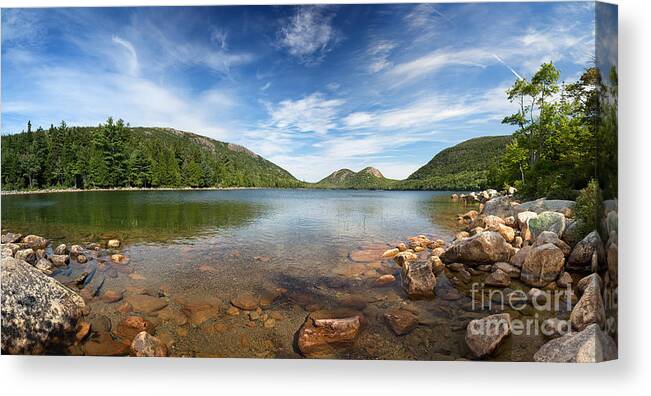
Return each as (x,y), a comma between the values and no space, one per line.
(547,304)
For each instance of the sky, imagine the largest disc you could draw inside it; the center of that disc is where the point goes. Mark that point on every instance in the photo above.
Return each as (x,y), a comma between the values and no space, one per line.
(311,88)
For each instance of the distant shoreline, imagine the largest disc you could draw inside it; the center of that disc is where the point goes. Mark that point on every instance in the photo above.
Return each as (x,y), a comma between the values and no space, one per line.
(75,190)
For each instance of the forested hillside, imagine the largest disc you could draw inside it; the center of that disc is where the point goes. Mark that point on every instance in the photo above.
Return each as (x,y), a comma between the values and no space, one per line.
(461,167)
(367,179)
(115,155)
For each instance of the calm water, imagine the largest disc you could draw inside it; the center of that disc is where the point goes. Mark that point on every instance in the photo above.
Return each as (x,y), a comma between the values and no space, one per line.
(203,248)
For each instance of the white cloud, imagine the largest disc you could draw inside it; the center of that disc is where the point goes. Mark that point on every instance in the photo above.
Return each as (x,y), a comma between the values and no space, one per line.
(309,35)
(266,86)
(379,54)
(132,61)
(357,119)
(313,113)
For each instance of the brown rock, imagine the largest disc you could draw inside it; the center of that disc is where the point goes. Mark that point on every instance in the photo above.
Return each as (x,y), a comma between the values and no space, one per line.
(61,249)
(145,304)
(590,308)
(322,333)
(385,280)
(401,321)
(60,260)
(82,259)
(27,255)
(83,328)
(418,279)
(484,336)
(246,301)
(120,259)
(35,242)
(112,295)
(105,345)
(132,325)
(543,265)
(113,244)
(498,278)
(489,246)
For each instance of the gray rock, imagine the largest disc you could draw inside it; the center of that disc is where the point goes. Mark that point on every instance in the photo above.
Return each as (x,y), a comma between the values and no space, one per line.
(543,265)
(35,242)
(39,314)
(61,249)
(485,247)
(555,327)
(498,278)
(572,234)
(10,237)
(547,205)
(499,206)
(588,346)
(418,279)
(60,260)
(547,221)
(146,345)
(14,247)
(550,237)
(484,336)
(45,266)
(582,255)
(511,270)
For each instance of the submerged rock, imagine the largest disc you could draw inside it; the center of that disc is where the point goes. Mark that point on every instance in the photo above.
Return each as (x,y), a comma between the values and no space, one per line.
(484,336)
(588,346)
(146,345)
(401,321)
(246,301)
(324,332)
(38,312)
(146,304)
(418,279)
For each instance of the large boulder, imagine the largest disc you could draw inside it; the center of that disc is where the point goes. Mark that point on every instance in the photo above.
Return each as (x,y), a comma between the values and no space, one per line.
(483,248)
(418,279)
(39,314)
(542,265)
(499,206)
(546,221)
(523,223)
(590,308)
(588,253)
(324,332)
(547,205)
(588,346)
(484,336)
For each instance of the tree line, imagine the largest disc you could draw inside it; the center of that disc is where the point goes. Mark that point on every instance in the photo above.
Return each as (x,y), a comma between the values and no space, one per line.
(566,135)
(114,155)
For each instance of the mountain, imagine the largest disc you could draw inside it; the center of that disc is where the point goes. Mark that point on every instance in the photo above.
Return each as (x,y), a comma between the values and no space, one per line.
(368,178)
(116,155)
(461,167)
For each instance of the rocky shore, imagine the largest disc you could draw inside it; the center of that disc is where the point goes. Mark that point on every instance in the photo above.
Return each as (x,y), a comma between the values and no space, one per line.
(505,266)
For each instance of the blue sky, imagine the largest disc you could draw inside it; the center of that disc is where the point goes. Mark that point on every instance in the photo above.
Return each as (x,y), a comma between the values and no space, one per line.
(311,88)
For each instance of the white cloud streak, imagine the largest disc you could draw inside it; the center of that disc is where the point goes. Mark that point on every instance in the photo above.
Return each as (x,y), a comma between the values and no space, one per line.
(309,34)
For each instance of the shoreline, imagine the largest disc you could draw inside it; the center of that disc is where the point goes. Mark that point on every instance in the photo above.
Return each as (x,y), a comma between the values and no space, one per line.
(142,189)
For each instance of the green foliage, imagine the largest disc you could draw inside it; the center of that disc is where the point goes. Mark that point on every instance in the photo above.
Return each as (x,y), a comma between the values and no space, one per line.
(461,167)
(554,149)
(588,208)
(114,155)
(366,179)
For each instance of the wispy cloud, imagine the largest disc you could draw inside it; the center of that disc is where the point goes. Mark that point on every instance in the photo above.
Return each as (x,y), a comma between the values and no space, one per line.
(309,34)
(379,54)
(313,113)
(134,67)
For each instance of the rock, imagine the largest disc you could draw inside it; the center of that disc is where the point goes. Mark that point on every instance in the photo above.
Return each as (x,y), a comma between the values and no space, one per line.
(130,326)
(537,296)
(83,329)
(246,301)
(505,231)
(404,257)
(611,260)
(113,244)
(146,345)
(547,221)
(10,237)
(401,321)
(385,280)
(588,346)
(14,247)
(401,247)
(542,265)
(521,255)
(418,279)
(105,345)
(145,304)
(27,255)
(590,308)
(7,252)
(322,333)
(547,205)
(581,256)
(390,253)
(233,311)
(269,323)
(111,296)
(487,247)
(484,336)
(517,242)
(564,281)
(38,313)
(437,264)
(60,260)
(511,270)
(499,206)
(498,278)
(75,250)
(491,221)
(45,266)
(523,223)
(119,259)
(554,327)
(82,259)
(455,197)
(367,255)
(61,249)
(438,251)
(573,229)
(35,242)
(550,237)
